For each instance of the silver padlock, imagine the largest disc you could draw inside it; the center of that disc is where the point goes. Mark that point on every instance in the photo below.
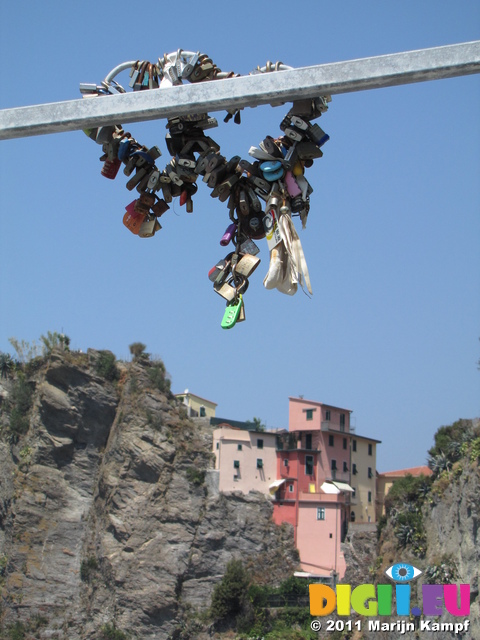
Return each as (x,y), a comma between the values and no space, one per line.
(148,228)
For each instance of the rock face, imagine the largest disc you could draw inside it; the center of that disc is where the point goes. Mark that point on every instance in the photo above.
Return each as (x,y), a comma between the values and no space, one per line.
(109,512)
(451,521)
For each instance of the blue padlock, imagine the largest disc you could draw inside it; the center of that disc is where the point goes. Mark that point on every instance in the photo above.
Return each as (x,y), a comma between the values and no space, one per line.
(272,170)
(123,149)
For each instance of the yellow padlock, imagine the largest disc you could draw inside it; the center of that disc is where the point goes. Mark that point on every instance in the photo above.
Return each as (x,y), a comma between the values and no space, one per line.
(298,169)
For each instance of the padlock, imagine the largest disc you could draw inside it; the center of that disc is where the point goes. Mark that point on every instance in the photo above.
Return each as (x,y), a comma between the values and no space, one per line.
(159,208)
(294,134)
(291,184)
(154,180)
(110,168)
(147,199)
(308,150)
(219,273)
(136,179)
(269,145)
(232,313)
(140,207)
(147,229)
(243,205)
(299,123)
(247,265)
(249,246)
(133,220)
(272,171)
(317,135)
(228,235)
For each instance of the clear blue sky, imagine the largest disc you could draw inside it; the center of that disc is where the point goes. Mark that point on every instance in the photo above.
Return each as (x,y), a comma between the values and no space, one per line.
(392,241)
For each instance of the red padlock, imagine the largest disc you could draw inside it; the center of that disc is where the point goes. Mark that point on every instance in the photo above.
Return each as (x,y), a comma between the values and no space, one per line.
(110,168)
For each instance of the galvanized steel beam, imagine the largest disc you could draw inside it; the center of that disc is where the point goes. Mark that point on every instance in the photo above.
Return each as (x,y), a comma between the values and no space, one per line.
(246,91)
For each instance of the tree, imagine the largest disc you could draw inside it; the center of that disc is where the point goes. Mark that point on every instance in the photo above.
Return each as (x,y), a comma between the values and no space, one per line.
(230,595)
(6,365)
(258,424)
(137,349)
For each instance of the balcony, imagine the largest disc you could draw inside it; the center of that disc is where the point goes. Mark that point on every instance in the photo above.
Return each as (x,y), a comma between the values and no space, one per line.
(341,476)
(290,442)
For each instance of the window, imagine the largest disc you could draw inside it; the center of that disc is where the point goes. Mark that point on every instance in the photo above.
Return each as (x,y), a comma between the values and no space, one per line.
(354,492)
(203,413)
(259,463)
(320,513)
(236,464)
(370,474)
(354,469)
(345,468)
(309,465)
(370,449)
(290,488)
(285,462)
(352,516)
(259,443)
(239,447)
(334,465)
(218,445)
(342,422)
(309,414)
(331,441)
(369,496)
(354,445)
(327,416)
(344,443)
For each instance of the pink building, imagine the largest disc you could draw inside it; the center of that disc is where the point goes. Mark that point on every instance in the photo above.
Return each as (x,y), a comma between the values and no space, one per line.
(314,464)
(246,460)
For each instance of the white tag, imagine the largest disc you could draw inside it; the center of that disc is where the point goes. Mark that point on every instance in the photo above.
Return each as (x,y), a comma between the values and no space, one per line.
(272,232)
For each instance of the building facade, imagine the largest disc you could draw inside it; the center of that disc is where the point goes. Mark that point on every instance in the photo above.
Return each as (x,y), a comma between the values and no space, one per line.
(320,475)
(363,479)
(196,406)
(246,460)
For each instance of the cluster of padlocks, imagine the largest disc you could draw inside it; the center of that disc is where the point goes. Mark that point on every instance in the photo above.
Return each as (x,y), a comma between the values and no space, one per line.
(261,196)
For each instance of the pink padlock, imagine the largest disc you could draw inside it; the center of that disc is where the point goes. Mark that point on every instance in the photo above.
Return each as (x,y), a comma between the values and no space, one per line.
(292,186)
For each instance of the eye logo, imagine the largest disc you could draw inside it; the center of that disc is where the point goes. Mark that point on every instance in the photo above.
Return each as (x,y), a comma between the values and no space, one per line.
(402,572)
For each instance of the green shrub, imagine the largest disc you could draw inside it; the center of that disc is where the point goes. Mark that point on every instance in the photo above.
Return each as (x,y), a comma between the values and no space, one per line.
(230,594)
(195,476)
(16,631)
(87,568)
(158,377)
(106,366)
(19,424)
(110,632)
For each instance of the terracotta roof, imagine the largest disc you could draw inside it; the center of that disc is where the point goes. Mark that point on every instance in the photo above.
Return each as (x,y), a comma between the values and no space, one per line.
(413,471)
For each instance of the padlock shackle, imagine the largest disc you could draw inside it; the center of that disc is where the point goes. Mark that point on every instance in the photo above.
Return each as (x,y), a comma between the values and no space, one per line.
(118,69)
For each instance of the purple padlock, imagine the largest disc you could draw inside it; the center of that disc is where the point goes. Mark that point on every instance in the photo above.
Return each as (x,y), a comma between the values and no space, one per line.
(228,235)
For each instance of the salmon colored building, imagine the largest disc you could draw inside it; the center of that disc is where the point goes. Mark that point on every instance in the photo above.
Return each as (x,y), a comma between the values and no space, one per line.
(313,461)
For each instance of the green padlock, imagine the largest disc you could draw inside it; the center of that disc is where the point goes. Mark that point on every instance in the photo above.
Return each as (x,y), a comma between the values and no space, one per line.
(232,312)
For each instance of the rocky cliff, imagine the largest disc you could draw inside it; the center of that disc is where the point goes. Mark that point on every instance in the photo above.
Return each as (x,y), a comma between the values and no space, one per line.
(432,524)
(110,519)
